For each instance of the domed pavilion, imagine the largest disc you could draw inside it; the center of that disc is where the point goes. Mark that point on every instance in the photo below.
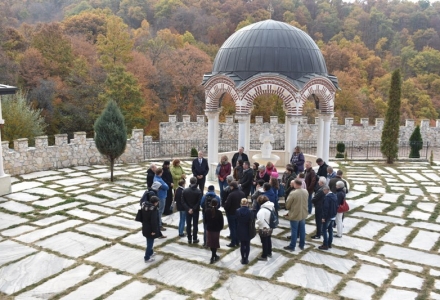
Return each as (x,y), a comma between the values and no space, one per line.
(270,57)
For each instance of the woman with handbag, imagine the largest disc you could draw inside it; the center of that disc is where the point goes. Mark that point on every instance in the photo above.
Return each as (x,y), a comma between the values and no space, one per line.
(177,173)
(222,171)
(245,232)
(214,224)
(263,221)
(340,194)
(150,226)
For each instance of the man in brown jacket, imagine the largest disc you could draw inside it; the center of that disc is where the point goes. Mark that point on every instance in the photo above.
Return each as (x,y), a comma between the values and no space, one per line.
(310,180)
(296,204)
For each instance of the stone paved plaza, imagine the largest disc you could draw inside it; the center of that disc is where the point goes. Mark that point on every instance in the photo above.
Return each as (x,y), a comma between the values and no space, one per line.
(71,234)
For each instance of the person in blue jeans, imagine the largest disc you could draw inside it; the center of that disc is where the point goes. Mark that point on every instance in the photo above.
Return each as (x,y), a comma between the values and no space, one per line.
(150,226)
(161,188)
(296,205)
(180,207)
(329,211)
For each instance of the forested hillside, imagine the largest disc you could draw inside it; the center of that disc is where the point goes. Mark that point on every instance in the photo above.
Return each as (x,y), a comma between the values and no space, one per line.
(71,56)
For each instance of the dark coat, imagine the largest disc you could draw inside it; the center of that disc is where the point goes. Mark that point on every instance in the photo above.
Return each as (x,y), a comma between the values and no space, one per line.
(329,207)
(318,199)
(310,180)
(200,169)
(150,221)
(234,160)
(246,181)
(270,195)
(167,176)
(340,194)
(244,217)
(178,198)
(191,198)
(332,184)
(226,191)
(298,160)
(232,203)
(150,177)
(322,171)
(266,177)
(214,224)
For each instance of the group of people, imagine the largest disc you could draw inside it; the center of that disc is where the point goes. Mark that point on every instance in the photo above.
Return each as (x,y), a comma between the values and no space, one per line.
(301,186)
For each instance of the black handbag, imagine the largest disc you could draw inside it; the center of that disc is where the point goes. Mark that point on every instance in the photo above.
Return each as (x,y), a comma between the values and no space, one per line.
(252,229)
(139,216)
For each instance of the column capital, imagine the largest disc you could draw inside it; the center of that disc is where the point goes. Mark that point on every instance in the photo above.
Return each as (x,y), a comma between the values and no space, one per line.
(212,113)
(242,118)
(294,119)
(326,117)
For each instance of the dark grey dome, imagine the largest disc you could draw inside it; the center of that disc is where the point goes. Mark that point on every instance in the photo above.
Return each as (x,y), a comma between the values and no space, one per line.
(270,47)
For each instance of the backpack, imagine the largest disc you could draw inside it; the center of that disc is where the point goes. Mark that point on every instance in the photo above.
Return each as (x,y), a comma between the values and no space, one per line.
(147,196)
(208,200)
(273,222)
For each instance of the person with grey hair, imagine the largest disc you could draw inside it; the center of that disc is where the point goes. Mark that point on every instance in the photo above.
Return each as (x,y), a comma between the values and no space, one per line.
(262,174)
(340,195)
(329,211)
(296,205)
(330,174)
(317,201)
(191,198)
(200,169)
(151,172)
(227,189)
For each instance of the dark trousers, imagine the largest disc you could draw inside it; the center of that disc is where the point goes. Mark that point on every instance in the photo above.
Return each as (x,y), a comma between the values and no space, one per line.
(245,248)
(318,220)
(201,183)
(267,245)
(232,223)
(194,220)
(168,202)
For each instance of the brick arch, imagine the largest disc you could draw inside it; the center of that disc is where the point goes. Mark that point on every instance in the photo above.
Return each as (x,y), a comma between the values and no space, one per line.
(324,89)
(267,84)
(215,87)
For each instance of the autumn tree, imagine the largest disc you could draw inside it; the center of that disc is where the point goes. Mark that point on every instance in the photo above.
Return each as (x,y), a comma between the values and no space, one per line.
(390,131)
(111,134)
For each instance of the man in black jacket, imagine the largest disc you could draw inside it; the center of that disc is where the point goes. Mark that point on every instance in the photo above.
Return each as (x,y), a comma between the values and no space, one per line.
(200,169)
(322,171)
(247,179)
(239,156)
(231,205)
(151,172)
(329,211)
(191,198)
(317,201)
(168,178)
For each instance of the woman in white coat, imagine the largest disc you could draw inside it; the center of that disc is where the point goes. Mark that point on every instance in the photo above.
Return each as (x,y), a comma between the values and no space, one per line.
(264,230)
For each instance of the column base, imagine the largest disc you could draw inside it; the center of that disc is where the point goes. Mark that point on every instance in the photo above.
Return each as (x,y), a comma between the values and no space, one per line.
(5,185)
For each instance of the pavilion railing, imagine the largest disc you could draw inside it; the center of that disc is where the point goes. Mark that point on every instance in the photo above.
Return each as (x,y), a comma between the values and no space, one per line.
(353,149)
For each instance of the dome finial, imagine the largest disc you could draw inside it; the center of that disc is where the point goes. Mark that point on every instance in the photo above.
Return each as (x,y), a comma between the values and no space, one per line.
(270,10)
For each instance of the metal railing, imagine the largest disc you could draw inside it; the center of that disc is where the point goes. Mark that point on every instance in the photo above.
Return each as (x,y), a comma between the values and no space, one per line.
(354,149)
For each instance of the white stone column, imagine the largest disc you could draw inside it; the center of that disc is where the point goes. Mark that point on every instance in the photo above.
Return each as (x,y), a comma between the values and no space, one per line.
(320,136)
(244,121)
(5,180)
(291,136)
(212,141)
(327,120)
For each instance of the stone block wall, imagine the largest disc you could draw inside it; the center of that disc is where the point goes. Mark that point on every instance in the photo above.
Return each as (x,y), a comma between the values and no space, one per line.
(363,132)
(80,151)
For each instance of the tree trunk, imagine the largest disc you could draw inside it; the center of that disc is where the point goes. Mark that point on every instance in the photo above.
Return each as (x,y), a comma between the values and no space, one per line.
(112,162)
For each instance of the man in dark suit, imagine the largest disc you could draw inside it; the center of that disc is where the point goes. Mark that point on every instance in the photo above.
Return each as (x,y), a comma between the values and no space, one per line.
(200,169)
(247,179)
(239,156)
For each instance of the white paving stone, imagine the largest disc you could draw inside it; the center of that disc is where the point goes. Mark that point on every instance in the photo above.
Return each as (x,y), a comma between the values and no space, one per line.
(392,198)
(134,291)
(310,277)
(387,219)
(7,220)
(409,267)
(378,189)
(372,274)
(407,280)
(72,244)
(372,259)
(433,189)
(81,191)
(426,206)
(405,179)
(120,222)
(24,197)
(16,207)
(354,243)
(49,202)
(356,290)
(434,296)
(335,263)
(237,287)
(232,260)
(183,274)
(396,235)
(10,251)
(376,207)
(410,255)
(267,268)
(18,187)
(425,240)
(122,258)
(50,220)
(75,180)
(425,225)
(42,191)
(97,287)
(100,209)
(61,207)
(104,231)
(58,284)
(84,214)
(398,211)
(30,270)
(90,198)
(370,230)
(50,178)
(191,253)
(107,174)
(360,187)
(42,233)
(110,194)
(39,174)
(418,215)
(393,294)
(122,201)
(18,230)
(418,177)
(168,295)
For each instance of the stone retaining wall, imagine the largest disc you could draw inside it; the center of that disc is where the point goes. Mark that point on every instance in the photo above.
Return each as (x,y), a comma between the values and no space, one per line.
(348,132)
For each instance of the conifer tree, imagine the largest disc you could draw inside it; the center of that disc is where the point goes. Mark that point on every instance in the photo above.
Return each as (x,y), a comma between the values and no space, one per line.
(111,134)
(416,143)
(390,131)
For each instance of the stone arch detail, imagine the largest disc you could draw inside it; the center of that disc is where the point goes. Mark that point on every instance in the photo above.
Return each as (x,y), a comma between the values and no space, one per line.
(215,88)
(267,84)
(324,89)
